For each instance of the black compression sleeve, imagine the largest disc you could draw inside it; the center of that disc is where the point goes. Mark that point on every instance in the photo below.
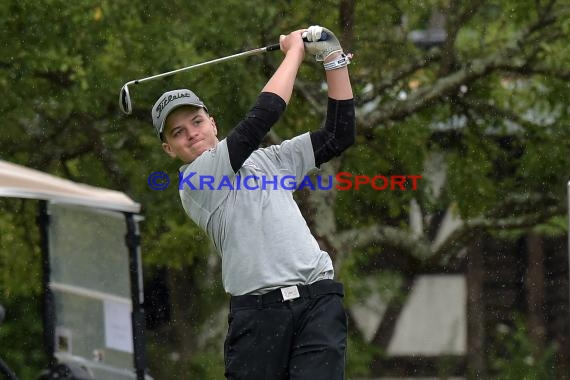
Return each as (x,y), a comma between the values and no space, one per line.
(338,132)
(247,135)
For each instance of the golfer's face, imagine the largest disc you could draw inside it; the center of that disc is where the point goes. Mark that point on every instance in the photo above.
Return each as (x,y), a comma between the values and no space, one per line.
(188,133)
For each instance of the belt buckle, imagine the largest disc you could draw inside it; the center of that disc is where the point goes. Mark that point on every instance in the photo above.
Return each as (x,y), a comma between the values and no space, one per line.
(290,293)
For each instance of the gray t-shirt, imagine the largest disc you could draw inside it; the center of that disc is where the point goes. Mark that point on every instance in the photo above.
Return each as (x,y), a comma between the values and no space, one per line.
(260,234)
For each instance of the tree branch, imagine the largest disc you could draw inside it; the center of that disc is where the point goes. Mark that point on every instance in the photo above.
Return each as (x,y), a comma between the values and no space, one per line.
(488,108)
(386,235)
(477,68)
(456,240)
(529,70)
(393,78)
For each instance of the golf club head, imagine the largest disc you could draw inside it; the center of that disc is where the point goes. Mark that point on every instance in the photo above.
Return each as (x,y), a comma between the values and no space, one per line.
(125,100)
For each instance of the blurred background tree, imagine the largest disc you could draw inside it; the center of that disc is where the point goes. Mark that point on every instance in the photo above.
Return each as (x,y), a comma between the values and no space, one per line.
(472,95)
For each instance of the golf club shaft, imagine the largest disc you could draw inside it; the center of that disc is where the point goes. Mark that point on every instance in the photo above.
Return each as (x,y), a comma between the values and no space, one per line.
(217,60)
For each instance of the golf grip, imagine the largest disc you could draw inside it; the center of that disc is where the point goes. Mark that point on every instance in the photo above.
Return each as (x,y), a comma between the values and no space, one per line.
(274,47)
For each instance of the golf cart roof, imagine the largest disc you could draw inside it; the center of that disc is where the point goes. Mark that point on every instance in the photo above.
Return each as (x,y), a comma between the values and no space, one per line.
(21,182)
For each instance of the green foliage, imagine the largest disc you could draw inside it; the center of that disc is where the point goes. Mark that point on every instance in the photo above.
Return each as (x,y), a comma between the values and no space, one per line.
(516,356)
(555,227)
(207,364)
(20,288)
(392,152)
(21,338)
(20,258)
(360,355)
(474,187)
(386,283)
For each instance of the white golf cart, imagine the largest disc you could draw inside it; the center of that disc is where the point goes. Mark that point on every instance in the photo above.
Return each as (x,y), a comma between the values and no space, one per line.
(92,290)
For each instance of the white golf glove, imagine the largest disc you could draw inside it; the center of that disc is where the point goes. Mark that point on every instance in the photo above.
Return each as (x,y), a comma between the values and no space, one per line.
(321,49)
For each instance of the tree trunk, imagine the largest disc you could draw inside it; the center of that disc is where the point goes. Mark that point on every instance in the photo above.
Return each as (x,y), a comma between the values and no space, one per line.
(182,312)
(387,326)
(475,312)
(347,8)
(535,288)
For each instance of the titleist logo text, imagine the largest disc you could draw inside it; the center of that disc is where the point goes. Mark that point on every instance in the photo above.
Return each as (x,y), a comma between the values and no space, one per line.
(168,99)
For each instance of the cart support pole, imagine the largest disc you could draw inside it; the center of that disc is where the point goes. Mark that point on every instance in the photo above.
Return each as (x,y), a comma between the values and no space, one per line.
(137,295)
(48,312)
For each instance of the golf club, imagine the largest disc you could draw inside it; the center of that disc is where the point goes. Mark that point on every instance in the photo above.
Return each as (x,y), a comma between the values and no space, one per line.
(125,97)
(126,104)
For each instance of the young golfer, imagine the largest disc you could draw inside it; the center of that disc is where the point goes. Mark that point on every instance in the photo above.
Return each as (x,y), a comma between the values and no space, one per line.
(286,318)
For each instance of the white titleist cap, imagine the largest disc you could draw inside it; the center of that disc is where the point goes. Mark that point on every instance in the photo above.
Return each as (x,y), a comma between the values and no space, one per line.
(168,102)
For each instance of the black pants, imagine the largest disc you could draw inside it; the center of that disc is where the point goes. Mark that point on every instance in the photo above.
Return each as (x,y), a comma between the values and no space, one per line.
(303,338)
